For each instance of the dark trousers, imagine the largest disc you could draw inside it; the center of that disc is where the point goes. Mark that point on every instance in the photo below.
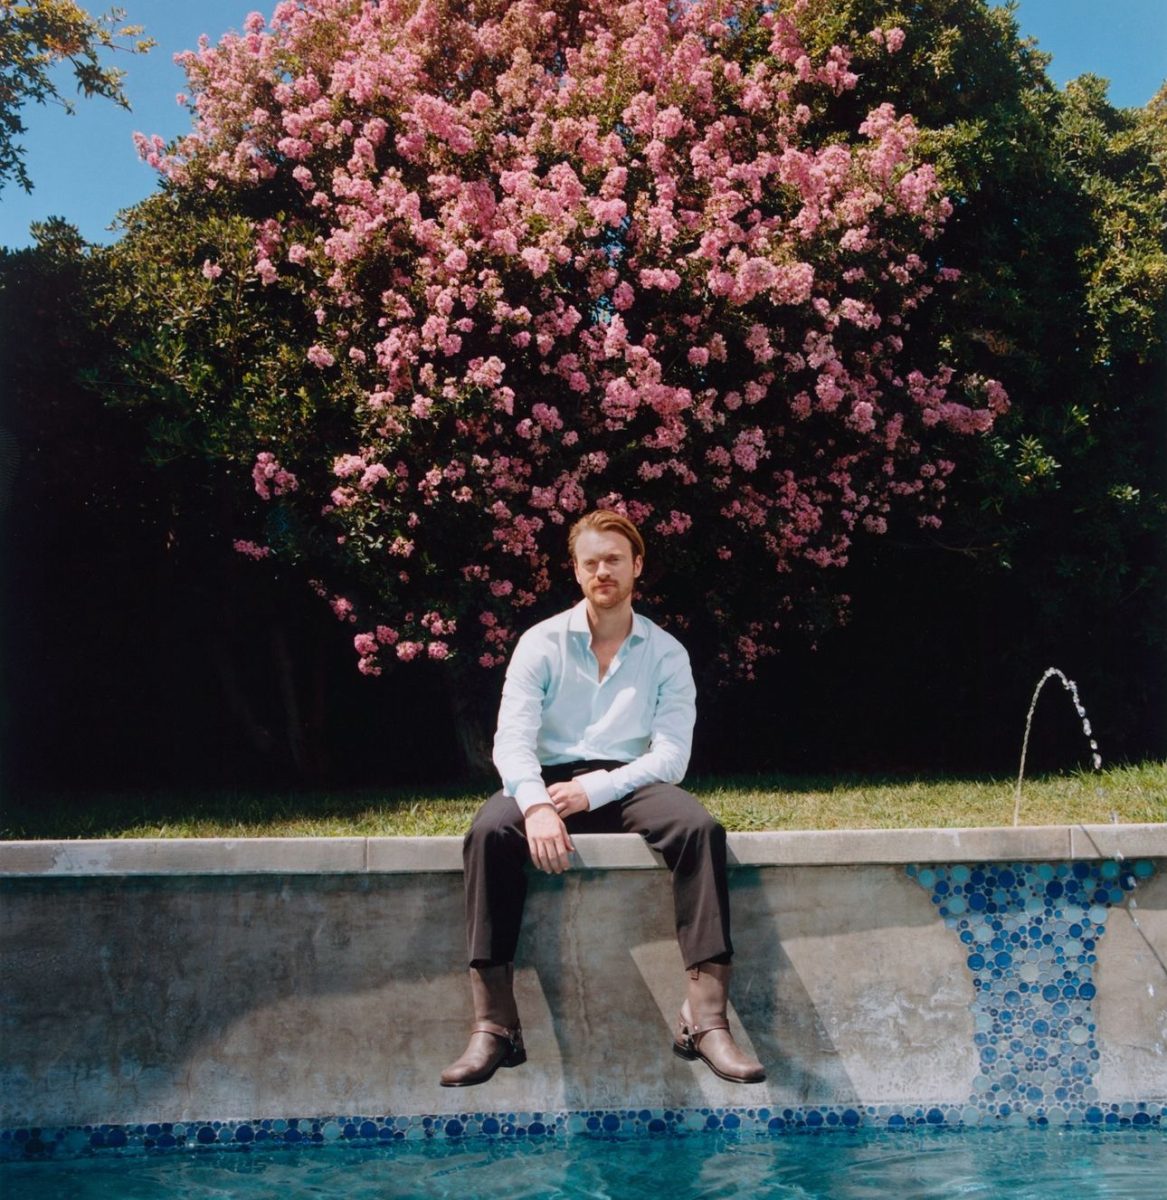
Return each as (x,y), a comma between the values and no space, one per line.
(669,819)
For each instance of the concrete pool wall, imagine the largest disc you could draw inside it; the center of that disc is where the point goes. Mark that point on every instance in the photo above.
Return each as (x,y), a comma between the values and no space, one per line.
(968,975)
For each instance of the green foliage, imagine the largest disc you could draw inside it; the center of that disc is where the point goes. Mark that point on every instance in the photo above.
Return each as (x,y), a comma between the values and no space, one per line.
(1118,157)
(207,363)
(36,35)
(191,346)
(1059,233)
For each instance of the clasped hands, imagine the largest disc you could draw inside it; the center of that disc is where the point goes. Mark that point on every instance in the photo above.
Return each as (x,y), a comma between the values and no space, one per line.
(547,837)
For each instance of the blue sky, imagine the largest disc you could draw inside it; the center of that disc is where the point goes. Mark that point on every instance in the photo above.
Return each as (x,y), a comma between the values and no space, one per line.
(84,167)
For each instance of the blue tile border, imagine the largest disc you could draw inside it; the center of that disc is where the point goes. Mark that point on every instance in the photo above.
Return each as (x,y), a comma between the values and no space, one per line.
(195,1136)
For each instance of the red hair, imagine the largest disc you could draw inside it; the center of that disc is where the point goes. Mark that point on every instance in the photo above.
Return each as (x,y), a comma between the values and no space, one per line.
(604,520)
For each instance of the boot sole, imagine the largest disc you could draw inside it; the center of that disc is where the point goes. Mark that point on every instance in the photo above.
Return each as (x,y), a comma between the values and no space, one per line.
(512,1060)
(696,1056)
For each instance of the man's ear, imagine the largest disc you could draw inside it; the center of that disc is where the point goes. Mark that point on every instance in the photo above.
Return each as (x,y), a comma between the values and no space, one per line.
(637,566)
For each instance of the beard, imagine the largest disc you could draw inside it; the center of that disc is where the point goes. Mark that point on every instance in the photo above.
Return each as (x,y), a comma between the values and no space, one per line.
(611,596)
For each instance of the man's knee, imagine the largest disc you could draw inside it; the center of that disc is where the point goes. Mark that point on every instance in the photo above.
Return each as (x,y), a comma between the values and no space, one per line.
(697,819)
(705,826)
(684,816)
(499,819)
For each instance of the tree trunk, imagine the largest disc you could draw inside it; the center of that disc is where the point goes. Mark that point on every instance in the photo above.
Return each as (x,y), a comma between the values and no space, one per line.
(472,720)
(225,667)
(293,725)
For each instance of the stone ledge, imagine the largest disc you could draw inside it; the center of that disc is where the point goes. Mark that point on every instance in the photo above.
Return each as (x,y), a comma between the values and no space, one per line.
(348,856)
(185,856)
(1109,841)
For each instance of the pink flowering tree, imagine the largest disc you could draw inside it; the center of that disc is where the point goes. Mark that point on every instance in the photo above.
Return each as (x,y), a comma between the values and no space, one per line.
(529,258)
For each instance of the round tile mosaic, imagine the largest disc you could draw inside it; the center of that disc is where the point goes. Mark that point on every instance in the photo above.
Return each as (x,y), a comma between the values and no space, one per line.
(243,1136)
(1031,932)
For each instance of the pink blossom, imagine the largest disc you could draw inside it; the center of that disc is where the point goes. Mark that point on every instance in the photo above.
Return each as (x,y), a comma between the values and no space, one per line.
(537,261)
(667,280)
(438,625)
(346,465)
(547,415)
(749,448)
(677,523)
(372,475)
(697,296)
(270,478)
(863,416)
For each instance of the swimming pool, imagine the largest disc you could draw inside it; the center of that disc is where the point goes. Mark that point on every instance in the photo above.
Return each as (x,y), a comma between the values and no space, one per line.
(915,1164)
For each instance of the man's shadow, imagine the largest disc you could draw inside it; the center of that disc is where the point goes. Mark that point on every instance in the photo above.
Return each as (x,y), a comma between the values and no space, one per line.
(611,975)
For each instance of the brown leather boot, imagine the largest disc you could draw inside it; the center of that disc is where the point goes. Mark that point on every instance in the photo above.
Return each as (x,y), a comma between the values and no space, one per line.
(703,1031)
(496,1038)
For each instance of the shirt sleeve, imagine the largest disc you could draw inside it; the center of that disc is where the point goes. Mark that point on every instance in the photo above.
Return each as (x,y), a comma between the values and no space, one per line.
(671,740)
(519,716)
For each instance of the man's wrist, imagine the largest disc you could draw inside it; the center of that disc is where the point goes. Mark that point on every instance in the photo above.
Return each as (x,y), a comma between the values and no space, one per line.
(598,787)
(529,793)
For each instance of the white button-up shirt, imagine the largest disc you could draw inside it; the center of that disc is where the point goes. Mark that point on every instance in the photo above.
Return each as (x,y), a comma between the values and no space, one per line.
(556,709)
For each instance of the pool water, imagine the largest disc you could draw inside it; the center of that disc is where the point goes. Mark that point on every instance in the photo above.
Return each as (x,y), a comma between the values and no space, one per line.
(1010,1163)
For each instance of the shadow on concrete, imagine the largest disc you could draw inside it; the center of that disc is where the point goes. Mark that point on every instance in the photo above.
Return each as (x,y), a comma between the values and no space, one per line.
(197,997)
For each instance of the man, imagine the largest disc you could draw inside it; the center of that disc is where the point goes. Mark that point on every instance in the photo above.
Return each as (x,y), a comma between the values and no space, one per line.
(594,733)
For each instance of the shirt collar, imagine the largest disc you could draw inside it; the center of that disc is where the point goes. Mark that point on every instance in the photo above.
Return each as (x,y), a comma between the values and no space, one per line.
(577,622)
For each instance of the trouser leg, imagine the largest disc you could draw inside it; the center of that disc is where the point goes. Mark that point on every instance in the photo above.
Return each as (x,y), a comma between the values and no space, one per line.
(494,855)
(692,843)
(670,819)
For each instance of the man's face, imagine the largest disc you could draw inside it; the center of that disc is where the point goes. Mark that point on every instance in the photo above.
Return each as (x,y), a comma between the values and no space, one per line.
(605,567)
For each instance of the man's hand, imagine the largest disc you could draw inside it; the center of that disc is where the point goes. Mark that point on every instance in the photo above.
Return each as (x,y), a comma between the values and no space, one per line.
(548,839)
(568,797)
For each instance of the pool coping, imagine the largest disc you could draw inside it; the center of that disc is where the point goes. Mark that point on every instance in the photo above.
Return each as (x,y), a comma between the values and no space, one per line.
(416,855)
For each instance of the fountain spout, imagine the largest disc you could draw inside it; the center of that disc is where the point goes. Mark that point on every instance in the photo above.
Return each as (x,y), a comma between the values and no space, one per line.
(1071,687)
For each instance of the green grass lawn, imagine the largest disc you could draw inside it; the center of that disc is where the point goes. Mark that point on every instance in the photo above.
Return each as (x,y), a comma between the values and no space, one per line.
(1126,794)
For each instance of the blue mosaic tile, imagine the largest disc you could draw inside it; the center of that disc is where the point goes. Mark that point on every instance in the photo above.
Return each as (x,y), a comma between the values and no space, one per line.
(1031,933)
(245,1136)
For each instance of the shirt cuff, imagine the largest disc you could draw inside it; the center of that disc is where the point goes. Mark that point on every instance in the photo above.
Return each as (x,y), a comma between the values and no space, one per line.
(599,787)
(529,793)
